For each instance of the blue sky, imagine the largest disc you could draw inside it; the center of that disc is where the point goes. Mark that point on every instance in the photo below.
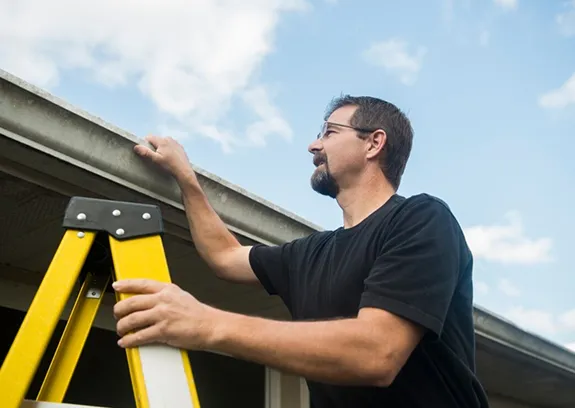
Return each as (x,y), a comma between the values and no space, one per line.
(488,85)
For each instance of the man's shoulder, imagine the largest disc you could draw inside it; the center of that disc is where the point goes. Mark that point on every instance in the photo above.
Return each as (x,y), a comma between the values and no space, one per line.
(400,211)
(423,212)
(436,215)
(425,200)
(424,205)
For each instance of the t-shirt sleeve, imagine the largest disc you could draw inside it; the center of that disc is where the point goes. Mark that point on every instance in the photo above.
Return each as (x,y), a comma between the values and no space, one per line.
(417,268)
(271,265)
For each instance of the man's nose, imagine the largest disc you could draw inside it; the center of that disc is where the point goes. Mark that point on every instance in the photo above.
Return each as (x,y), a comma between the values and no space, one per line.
(314,146)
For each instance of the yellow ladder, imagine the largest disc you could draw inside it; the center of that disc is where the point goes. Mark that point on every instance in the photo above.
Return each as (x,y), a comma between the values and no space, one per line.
(129,245)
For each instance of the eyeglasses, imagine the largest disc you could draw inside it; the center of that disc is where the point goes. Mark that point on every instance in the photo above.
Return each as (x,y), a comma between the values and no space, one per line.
(326,124)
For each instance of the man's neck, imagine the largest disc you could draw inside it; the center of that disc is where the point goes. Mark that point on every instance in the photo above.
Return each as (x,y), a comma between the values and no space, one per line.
(362,199)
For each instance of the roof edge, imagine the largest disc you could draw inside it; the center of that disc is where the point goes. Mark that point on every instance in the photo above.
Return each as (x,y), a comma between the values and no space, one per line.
(494,327)
(40,120)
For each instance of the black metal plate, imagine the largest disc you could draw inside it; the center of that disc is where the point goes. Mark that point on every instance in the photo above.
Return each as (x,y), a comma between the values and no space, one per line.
(130,222)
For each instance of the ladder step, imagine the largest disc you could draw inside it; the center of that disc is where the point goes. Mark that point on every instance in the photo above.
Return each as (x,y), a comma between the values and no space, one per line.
(165,375)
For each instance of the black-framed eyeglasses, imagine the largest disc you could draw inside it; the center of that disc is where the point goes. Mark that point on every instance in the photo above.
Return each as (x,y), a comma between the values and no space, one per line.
(326,124)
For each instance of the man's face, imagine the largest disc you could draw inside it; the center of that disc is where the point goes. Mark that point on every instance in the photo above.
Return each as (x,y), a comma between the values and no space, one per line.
(338,153)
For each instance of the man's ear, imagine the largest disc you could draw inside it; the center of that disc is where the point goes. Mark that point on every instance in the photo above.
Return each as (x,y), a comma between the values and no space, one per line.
(375,143)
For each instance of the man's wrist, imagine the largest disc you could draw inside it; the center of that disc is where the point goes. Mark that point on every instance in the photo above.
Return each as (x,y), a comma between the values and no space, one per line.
(187,180)
(219,323)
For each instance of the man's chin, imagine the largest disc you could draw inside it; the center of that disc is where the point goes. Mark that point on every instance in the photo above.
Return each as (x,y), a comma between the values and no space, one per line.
(324,184)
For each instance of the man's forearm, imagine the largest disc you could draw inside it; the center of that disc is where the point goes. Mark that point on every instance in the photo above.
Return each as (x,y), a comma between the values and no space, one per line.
(345,351)
(210,234)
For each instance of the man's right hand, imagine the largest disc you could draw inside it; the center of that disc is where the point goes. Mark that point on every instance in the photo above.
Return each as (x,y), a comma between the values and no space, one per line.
(169,154)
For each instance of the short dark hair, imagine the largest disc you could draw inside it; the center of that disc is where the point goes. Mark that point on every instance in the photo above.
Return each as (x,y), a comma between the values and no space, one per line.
(374,113)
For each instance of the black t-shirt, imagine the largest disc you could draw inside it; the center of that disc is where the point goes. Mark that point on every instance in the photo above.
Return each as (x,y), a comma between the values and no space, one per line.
(408,257)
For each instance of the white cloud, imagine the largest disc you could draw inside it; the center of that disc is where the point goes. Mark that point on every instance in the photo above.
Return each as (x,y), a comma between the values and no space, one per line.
(542,322)
(560,97)
(566,20)
(567,319)
(393,56)
(537,321)
(191,60)
(508,243)
(271,121)
(507,4)
(506,287)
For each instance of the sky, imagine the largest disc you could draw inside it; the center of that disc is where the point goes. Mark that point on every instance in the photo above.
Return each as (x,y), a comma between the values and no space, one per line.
(488,85)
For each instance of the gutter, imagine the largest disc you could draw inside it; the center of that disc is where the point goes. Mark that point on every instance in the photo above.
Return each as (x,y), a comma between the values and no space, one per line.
(492,329)
(37,119)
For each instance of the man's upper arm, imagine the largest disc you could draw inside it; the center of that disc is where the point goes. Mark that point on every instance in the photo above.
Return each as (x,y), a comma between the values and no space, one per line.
(417,268)
(235,266)
(265,265)
(401,337)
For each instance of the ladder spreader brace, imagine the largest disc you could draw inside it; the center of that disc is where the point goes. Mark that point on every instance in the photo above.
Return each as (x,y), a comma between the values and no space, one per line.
(103,240)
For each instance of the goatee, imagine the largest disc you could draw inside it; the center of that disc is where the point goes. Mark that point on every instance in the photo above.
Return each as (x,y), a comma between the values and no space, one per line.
(323,183)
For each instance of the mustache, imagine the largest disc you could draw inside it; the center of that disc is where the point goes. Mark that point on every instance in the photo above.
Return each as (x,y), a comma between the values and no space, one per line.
(319,158)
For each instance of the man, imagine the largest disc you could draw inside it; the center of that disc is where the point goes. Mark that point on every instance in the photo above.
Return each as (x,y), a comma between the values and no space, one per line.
(382,306)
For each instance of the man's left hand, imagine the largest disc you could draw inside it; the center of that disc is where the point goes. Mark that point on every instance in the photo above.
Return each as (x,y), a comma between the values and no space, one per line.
(161,313)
